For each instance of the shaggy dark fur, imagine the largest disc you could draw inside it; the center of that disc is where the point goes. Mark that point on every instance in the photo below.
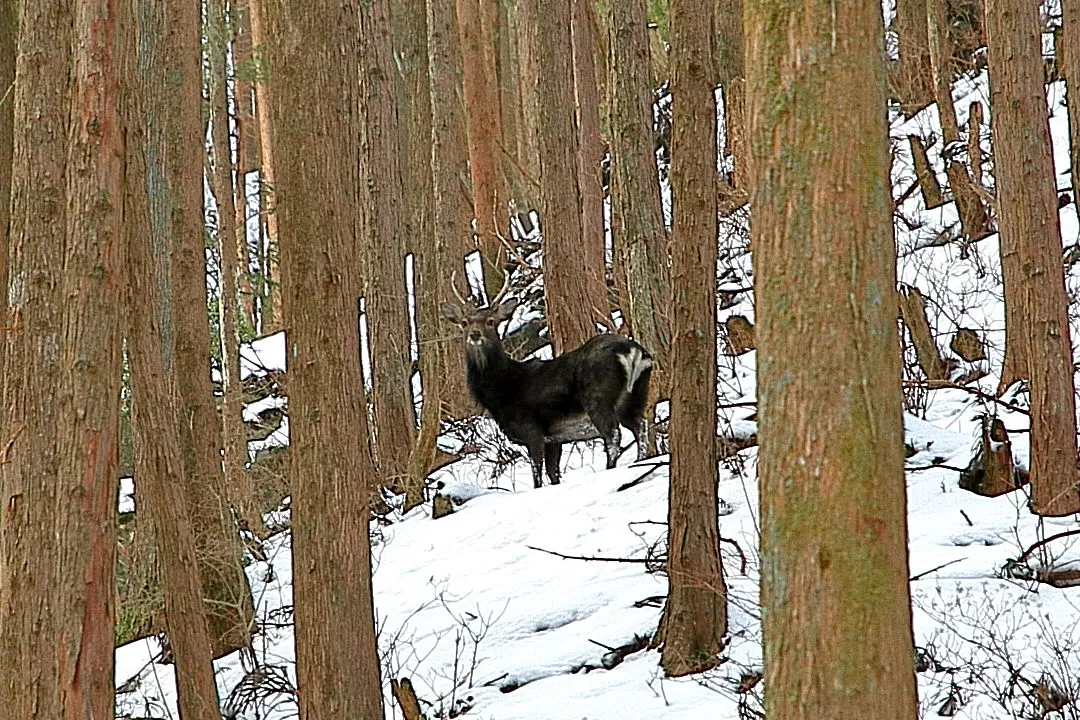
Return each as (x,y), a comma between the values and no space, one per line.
(582,394)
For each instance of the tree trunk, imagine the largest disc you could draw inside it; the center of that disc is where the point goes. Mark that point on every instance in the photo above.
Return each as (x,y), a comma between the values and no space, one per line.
(974,221)
(162,475)
(9,31)
(913,79)
(591,148)
(164,111)
(239,486)
(270,309)
(1029,224)
(528,137)
(32,397)
(638,231)
(247,147)
(386,304)
(316,112)
(158,463)
(695,618)
(61,399)
(411,44)
(484,130)
(452,210)
(573,284)
(831,465)
(1070,68)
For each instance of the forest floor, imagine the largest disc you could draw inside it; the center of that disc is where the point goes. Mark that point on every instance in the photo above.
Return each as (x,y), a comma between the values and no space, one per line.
(489,625)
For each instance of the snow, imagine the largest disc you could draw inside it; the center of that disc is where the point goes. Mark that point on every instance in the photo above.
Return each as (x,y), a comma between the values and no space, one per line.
(487,623)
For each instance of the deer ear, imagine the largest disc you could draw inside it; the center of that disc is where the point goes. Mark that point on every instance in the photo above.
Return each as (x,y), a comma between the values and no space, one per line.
(506,309)
(452,312)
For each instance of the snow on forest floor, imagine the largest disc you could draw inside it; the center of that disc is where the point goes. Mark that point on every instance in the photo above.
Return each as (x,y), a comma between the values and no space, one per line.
(479,619)
(488,627)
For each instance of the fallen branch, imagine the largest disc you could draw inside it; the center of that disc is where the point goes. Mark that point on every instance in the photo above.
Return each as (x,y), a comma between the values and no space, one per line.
(982,394)
(591,558)
(1045,541)
(921,575)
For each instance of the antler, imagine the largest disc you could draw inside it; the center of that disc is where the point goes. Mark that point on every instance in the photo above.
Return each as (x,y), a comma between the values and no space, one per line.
(505,286)
(453,286)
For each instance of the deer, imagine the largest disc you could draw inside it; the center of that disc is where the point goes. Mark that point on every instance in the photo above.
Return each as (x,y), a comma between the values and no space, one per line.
(583,394)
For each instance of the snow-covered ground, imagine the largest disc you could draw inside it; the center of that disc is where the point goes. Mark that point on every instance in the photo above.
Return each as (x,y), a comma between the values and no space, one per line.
(489,625)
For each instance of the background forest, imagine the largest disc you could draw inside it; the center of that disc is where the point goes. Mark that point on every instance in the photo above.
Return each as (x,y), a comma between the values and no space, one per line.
(242,474)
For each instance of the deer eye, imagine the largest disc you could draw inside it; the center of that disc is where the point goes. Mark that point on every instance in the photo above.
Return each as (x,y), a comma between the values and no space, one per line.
(490,322)
(464,323)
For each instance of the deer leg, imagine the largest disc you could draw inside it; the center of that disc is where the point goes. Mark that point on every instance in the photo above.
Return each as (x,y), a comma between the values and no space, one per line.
(534,443)
(552,457)
(608,426)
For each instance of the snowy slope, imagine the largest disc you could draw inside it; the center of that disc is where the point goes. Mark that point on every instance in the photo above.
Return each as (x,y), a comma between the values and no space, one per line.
(488,627)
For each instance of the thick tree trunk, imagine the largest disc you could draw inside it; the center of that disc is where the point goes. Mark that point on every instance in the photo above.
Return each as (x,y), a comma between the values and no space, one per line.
(386,304)
(1070,68)
(158,462)
(247,147)
(270,309)
(1029,225)
(913,80)
(484,128)
(316,112)
(573,284)
(974,221)
(590,145)
(639,235)
(155,199)
(9,30)
(239,486)
(528,138)
(695,618)
(164,111)
(61,399)
(833,533)
(89,439)
(411,44)
(452,210)
(32,396)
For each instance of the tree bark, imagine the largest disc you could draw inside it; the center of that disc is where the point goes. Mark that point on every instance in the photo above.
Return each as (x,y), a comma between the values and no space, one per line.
(315,100)
(831,465)
(639,235)
(452,218)
(974,221)
(270,308)
(155,209)
(914,80)
(695,618)
(32,397)
(9,30)
(58,477)
(1029,225)
(164,111)
(484,131)
(385,301)
(591,148)
(1070,68)
(247,148)
(239,486)
(573,285)
(528,123)
(411,44)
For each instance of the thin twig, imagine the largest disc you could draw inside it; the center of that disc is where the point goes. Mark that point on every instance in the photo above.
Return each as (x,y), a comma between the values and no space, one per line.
(591,558)
(921,575)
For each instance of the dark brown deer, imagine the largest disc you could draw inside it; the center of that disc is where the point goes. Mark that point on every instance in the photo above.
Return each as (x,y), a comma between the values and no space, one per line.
(583,394)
